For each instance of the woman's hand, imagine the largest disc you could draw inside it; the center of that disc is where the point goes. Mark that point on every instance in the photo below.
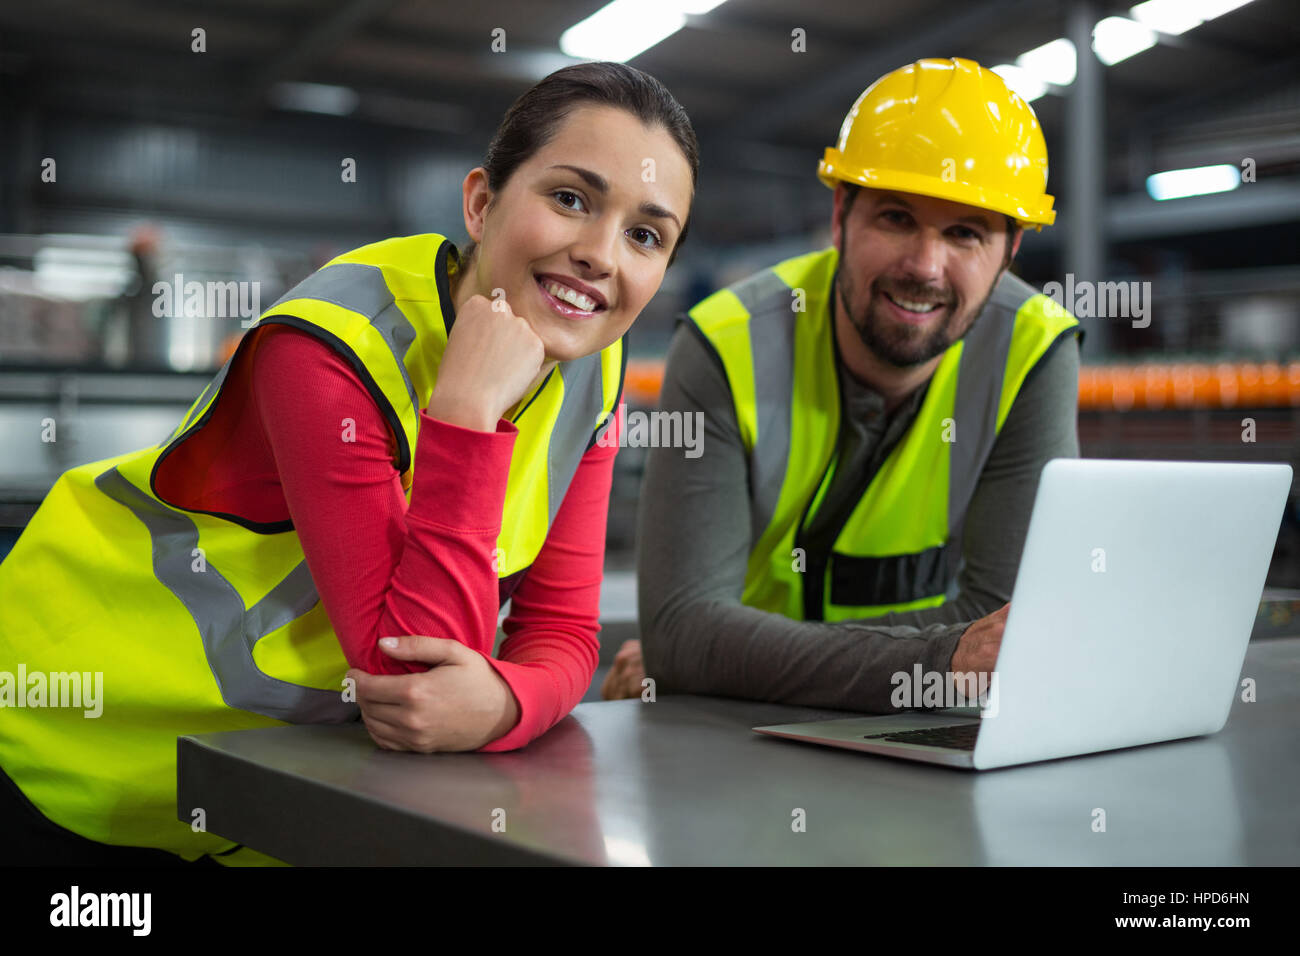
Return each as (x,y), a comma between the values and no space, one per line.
(492,356)
(461,703)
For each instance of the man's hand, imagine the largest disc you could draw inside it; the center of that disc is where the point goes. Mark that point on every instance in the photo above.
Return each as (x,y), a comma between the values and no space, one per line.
(624,678)
(461,703)
(977,650)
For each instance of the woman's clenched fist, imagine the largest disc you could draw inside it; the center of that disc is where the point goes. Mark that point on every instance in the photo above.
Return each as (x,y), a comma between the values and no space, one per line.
(491,359)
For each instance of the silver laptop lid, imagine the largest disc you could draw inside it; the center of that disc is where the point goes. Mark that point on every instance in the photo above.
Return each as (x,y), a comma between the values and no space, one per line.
(1137,590)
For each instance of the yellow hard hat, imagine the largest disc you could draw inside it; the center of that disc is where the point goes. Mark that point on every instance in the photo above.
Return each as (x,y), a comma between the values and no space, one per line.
(949,129)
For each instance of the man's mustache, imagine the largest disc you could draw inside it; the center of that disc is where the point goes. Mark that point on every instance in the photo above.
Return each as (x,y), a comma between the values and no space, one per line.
(913,291)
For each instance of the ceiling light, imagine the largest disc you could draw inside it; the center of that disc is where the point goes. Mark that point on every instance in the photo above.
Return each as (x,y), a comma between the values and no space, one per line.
(314,98)
(1209,9)
(620,30)
(1167,16)
(1021,82)
(1052,62)
(1198,181)
(1118,38)
(1178,16)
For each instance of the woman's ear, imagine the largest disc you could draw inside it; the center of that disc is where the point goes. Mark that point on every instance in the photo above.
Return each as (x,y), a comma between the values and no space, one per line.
(476,198)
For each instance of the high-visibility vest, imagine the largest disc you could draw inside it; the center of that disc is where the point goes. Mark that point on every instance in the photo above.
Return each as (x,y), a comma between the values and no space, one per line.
(896,550)
(204,622)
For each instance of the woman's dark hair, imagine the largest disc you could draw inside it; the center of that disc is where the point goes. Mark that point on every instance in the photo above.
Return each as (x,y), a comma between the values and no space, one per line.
(534,118)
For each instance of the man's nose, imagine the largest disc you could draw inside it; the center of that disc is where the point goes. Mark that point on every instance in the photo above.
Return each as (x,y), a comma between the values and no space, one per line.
(924,258)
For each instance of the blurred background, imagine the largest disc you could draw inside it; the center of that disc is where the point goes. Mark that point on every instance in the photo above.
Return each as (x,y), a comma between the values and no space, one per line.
(142,139)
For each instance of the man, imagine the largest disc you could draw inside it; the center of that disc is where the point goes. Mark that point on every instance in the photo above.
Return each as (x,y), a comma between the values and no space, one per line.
(876,418)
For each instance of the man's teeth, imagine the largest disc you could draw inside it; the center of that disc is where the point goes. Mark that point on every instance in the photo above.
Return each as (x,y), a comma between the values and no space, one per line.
(571,296)
(913,306)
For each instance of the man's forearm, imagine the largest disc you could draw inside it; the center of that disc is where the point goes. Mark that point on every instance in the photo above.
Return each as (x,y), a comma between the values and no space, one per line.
(712,647)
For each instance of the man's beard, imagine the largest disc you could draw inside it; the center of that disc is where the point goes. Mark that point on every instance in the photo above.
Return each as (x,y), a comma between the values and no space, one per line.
(895,342)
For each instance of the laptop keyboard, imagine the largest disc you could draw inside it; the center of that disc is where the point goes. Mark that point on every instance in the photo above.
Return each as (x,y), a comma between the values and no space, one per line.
(956,737)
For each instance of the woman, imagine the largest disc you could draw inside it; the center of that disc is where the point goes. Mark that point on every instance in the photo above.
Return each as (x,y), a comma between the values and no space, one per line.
(407,438)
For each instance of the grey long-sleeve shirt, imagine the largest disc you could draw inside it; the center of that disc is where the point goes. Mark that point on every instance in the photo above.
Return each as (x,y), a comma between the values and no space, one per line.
(693,540)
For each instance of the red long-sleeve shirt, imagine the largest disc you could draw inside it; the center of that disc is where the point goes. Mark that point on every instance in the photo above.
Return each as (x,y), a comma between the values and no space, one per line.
(275,449)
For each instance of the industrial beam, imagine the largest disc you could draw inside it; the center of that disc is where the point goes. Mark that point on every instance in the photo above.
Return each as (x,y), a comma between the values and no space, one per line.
(318,43)
(1085,170)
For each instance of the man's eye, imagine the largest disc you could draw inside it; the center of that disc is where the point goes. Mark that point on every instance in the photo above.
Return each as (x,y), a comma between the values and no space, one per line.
(966,234)
(895,216)
(641,230)
(563,195)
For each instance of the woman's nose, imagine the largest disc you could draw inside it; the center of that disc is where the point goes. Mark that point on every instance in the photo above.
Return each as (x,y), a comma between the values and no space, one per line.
(594,249)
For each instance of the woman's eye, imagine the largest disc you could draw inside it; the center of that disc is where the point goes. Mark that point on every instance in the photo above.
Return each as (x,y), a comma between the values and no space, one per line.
(563,195)
(642,231)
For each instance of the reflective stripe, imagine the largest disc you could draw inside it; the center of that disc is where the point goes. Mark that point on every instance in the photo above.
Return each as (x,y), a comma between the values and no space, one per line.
(228,631)
(981,386)
(766,298)
(361,289)
(581,408)
(979,392)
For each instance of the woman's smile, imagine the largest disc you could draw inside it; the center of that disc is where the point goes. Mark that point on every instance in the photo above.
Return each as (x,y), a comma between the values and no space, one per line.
(568,298)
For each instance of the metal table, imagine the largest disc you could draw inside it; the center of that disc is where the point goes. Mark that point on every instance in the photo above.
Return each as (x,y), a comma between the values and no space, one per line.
(684,781)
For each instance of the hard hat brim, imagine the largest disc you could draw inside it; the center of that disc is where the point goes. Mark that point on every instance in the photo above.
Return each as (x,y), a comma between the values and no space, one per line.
(832,169)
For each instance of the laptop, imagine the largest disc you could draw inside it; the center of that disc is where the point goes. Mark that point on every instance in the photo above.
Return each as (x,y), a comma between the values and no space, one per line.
(1137,591)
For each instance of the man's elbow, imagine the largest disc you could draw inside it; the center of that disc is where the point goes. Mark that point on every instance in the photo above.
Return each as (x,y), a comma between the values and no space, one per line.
(658,640)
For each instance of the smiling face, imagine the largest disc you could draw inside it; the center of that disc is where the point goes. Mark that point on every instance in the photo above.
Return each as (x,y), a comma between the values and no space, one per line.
(577,239)
(915,271)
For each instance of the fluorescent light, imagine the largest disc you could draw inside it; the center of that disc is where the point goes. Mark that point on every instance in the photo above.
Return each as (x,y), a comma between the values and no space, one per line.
(1021,82)
(1052,62)
(1113,39)
(620,30)
(1118,38)
(314,98)
(1178,16)
(1168,16)
(1209,9)
(1198,181)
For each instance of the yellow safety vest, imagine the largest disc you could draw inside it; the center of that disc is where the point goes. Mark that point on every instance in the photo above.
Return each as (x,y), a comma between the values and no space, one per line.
(897,550)
(202,622)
